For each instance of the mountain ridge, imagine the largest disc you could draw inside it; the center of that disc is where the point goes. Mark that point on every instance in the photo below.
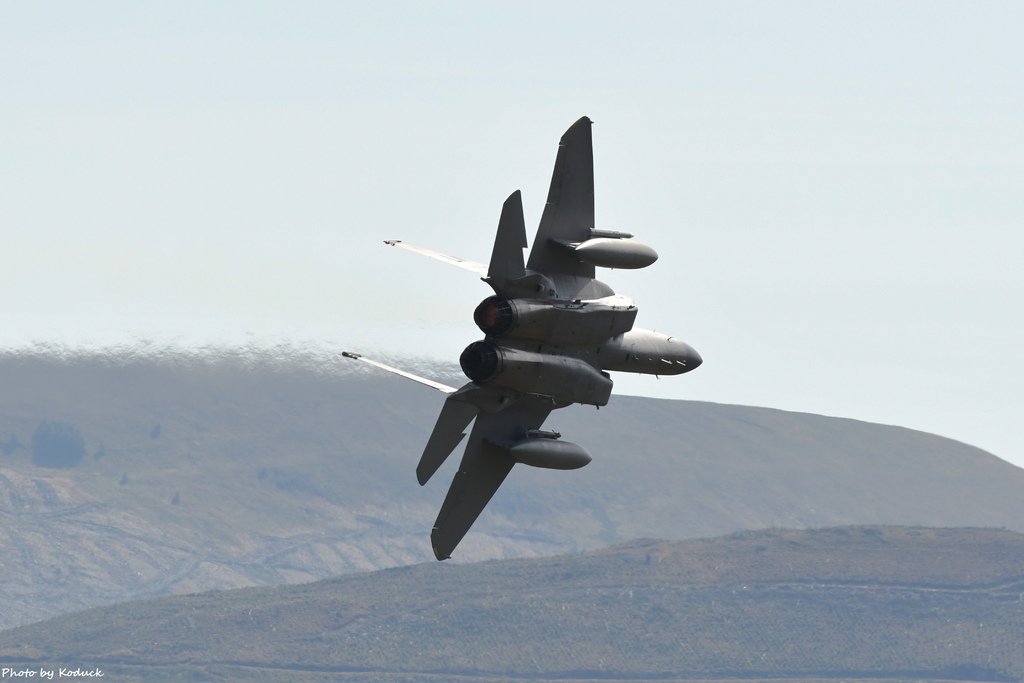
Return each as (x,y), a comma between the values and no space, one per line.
(211,475)
(825,604)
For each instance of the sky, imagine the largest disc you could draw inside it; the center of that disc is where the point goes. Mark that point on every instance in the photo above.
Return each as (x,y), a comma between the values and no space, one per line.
(836,190)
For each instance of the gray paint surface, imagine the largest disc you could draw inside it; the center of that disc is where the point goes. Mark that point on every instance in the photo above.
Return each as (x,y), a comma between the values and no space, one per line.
(552,330)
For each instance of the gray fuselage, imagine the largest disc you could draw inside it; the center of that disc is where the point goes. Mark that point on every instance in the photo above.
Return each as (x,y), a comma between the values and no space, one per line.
(563,348)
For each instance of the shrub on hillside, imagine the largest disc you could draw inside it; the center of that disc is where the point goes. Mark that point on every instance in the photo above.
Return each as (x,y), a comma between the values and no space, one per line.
(57,444)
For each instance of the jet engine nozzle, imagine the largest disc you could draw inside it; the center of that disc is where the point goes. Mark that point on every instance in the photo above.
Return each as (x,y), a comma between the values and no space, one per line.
(555,322)
(481,361)
(562,379)
(494,316)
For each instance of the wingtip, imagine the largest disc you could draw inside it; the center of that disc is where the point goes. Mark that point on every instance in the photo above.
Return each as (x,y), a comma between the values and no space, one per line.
(577,131)
(440,554)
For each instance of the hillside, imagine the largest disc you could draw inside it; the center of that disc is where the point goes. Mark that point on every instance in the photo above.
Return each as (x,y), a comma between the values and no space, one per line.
(854,602)
(182,475)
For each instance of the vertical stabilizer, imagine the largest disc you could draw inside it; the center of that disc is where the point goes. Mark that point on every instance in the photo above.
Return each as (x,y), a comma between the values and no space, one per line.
(507,256)
(569,213)
(448,432)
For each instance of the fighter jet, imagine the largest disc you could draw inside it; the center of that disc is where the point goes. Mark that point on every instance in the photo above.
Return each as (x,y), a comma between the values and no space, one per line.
(552,332)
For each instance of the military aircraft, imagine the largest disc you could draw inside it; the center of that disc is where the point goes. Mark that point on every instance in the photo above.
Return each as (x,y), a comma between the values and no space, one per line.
(551,334)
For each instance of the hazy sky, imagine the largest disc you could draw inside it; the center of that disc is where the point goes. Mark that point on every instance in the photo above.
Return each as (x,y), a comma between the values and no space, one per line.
(836,189)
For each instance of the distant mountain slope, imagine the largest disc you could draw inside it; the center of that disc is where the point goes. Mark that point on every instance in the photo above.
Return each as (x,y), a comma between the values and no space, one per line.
(853,602)
(188,475)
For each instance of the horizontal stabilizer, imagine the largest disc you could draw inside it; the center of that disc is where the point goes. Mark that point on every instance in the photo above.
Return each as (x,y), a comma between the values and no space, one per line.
(485,464)
(483,469)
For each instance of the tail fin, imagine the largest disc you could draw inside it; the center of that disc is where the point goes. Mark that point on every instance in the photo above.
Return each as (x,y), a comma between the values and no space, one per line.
(507,257)
(448,433)
(569,213)
(459,410)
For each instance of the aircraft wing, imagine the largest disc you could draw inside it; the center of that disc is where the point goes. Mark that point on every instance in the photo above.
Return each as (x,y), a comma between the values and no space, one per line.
(569,213)
(484,466)
(401,373)
(472,266)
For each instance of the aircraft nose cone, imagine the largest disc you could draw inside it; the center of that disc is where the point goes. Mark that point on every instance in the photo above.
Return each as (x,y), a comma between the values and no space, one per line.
(693,359)
(684,356)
